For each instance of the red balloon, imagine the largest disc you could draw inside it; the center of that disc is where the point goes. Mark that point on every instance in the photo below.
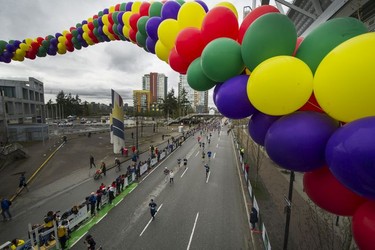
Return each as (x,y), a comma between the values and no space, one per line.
(133,21)
(177,62)
(219,22)
(117,7)
(312,105)
(91,26)
(328,193)
(110,29)
(40,40)
(92,36)
(252,16)
(189,44)
(133,35)
(299,41)
(35,46)
(363,226)
(110,18)
(143,9)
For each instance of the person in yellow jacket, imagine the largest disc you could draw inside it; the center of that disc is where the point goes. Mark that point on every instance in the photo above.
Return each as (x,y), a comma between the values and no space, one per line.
(62,234)
(16,243)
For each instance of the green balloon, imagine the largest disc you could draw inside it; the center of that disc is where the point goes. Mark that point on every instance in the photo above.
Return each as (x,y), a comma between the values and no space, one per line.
(270,35)
(45,44)
(155,9)
(141,24)
(114,17)
(96,23)
(196,78)
(123,7)
(78,25)
(221,59)
(77,45)
(3,45)
(326,37)
(181,2)
(97,35)
(141,39)
(41,52)
(100,13)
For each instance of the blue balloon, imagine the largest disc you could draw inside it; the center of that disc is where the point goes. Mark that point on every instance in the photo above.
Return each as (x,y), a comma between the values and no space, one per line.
(10,48)
(298,141)
(128,6)
(231,98)
(150,45)
(170,10)
(105,11)
(350,155)
(119,18)
(152,26)
(259,124)
(203,4)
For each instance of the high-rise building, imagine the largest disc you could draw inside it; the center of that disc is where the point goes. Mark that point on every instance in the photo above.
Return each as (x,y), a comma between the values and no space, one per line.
(157,84)
(141,100)
(197,99)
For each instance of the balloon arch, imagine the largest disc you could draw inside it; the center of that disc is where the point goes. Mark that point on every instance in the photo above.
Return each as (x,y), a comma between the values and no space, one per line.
(311,100)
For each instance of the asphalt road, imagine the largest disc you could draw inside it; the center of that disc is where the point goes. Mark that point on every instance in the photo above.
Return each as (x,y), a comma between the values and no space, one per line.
(193,212)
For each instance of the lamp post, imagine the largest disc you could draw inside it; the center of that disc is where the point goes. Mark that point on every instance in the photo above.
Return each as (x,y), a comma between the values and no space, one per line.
(136,128)
(288,208)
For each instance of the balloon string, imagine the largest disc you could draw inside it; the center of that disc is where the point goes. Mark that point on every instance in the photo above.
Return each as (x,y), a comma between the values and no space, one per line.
(313,104)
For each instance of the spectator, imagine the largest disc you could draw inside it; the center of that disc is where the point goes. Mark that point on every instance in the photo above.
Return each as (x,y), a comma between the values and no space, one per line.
(5,205)
(62,233)
(92,201)
(17,243)
(103,168)
(253,218)
(122,182)
(118,185)
(242,152)
(99,194)
(23,182)
(111,194)
(92,162)
(247,167)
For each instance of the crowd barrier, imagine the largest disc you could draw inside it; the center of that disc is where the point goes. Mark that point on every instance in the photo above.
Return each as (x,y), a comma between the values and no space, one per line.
(262,227)
(37,233)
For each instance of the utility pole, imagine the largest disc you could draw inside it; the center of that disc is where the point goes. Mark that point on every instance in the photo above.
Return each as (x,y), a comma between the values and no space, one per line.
(136,129)
(288,209)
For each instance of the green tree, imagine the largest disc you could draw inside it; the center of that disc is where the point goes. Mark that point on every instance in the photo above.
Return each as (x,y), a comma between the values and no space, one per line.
(183,103)
(169,106)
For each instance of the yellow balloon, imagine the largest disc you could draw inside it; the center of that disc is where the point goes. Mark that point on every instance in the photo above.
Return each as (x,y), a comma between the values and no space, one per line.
(111,9)
(125,18)
(280,85)
(61,49)
(61,39)
(229,6)
(90,19)
(125,31)
(20,53)
(105,19)
(24,46)
(136,6)
(247,71)
(168,31)
(28,41)
(191,14)
(87,39)
(161,51)
(65,32)
(344,82)
(107,33)
(85,28)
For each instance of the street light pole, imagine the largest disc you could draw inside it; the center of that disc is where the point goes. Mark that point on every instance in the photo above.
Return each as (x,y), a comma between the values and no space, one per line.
(136,130)
(288,210)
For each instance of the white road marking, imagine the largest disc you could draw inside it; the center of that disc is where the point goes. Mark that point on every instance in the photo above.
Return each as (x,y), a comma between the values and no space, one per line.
(208,177)
(100,219)
(192,232)
(214,155)
(77,240)
(196,154)
(217,145)
(184,172)
(150,221)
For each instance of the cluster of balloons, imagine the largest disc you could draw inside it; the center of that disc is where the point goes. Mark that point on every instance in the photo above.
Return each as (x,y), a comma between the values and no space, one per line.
(311,101)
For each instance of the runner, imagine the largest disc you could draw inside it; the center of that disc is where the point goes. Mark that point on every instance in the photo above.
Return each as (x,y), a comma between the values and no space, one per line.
(207,169)
(153,209)
(209,155)
(166,173)
(185,162)
(118,164)
(179,162)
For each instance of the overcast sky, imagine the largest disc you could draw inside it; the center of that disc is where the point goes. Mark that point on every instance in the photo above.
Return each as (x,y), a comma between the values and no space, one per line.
(90,72)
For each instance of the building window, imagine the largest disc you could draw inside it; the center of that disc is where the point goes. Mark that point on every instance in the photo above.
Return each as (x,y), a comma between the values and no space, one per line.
(8,91)
(25,94)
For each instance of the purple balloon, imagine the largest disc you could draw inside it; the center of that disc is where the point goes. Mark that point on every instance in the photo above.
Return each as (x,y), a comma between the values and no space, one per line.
(100,21)
(350,154)
(203,4)
(231,98)
(10,48)
(128,6)
(297,141)
(106,11)
(150,45)
(119,17)
(152,27)
(170,10)
(259,124)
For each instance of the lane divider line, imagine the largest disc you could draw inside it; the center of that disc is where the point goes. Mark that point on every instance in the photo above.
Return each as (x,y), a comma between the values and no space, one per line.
(192,232)
(184,172)
(208,177)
